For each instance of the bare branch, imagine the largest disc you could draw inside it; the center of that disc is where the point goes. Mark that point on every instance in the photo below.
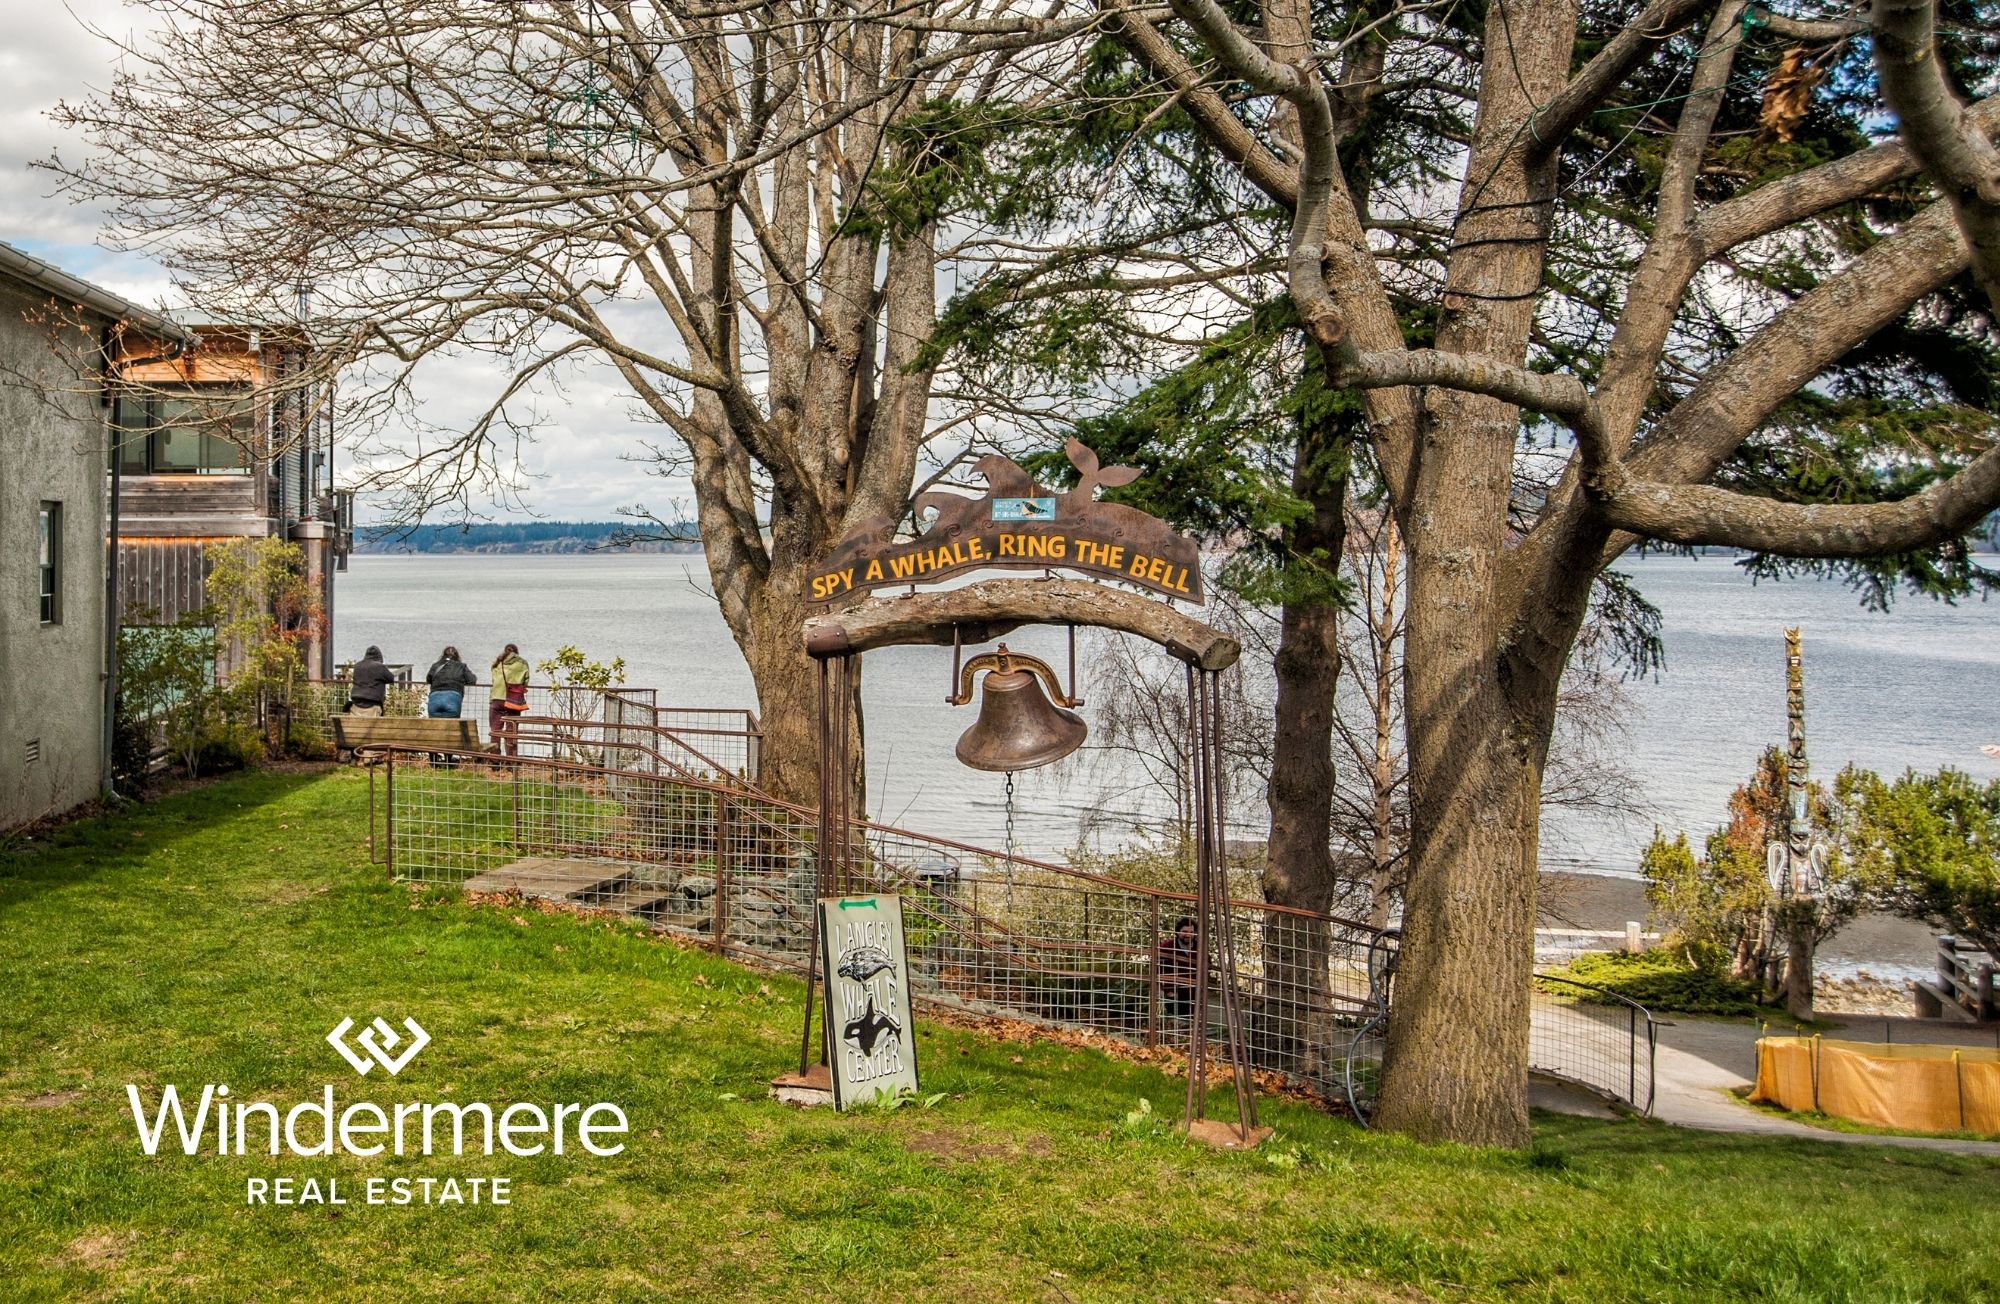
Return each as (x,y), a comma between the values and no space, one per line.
(1318,175)
(1810,335)
(1558,395)
(1933,122)
(1552,123)
(1704,514)
(1232,139)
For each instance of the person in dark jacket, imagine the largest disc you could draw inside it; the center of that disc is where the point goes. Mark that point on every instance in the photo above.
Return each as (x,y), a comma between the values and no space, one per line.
(368,684)
(1174,959)
(449,677)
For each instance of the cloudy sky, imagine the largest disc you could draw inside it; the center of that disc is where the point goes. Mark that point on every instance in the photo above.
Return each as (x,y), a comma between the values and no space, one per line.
(576,470)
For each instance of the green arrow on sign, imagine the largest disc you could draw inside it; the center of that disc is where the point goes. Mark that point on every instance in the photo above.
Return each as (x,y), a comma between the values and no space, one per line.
(847,904)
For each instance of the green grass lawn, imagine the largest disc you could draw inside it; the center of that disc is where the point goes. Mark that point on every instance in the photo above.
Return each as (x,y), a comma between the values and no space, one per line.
(218,935)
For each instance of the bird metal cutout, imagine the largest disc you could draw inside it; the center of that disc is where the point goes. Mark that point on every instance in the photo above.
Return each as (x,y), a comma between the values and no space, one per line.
(1017,525)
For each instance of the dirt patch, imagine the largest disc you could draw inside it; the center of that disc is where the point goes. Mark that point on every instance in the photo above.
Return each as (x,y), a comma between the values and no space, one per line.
(292,892)
(100,1249)
(1166,1059)
(296,765)
(52,1099)
(957,1146)
(513,899)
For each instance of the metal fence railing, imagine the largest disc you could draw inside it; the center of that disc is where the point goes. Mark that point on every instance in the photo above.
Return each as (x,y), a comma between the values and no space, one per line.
(719,743)
(732,739)
(627,817)
(626,749)
(1593,1036)
(736,869)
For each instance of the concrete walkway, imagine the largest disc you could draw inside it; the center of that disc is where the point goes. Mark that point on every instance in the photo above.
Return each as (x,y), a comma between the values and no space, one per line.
(1700,1061)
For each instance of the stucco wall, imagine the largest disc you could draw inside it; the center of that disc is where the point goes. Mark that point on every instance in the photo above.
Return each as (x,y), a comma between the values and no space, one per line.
(53,448)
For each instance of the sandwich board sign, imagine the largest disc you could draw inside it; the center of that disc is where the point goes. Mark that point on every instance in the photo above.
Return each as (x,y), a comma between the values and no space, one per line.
(871,1041)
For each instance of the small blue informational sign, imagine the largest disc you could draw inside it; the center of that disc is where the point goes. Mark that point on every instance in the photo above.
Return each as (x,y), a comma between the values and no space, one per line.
(1024,509)
(872,1044)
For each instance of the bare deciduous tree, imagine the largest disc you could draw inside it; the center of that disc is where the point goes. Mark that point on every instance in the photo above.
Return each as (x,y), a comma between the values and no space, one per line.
(734,207)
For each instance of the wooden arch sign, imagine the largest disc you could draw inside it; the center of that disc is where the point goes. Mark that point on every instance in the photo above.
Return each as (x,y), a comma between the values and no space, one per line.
(988,609)
(1018,525)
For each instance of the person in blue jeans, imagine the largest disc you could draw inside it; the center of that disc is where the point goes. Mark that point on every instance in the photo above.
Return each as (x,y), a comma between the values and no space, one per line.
(449,677)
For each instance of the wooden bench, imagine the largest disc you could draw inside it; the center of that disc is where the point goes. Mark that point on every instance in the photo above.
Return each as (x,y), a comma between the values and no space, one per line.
(364,733)
(1967,986)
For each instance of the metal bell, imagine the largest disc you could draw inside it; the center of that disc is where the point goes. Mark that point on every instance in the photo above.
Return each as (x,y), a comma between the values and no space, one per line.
(1018,727)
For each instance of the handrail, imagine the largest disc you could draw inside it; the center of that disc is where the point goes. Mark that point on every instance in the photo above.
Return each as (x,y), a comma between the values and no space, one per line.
(1966,975)
(679,771)
(1634,1011)
(867,825)
(655,729)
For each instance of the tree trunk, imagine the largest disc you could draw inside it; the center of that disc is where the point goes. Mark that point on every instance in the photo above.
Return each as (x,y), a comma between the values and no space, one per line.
(1468,930)
(1480,715)
(787,683)
(1298,861)
(1383,851)
(1746,962)
(1799,975)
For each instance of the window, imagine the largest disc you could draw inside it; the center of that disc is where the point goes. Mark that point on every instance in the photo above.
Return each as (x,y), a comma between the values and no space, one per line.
(198,431)
(49,546)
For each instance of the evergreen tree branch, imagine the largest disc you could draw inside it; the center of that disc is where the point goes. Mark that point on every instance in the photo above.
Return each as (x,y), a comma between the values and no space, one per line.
(1551,124)
(1933,122)
(1704,514)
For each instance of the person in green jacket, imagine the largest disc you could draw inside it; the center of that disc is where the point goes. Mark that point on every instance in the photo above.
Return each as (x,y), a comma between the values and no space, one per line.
(508,700)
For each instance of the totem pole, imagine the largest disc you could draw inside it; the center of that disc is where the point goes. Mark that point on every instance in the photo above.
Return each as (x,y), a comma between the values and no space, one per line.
(1796,861)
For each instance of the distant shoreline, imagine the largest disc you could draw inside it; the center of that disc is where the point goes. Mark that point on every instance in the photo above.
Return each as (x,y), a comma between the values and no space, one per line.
(551,548)
(517,538)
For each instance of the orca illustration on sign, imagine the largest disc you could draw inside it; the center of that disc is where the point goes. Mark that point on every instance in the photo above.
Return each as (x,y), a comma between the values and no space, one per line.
(867,1030)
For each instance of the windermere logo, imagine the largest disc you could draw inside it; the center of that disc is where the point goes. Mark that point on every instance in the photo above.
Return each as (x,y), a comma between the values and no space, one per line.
(216,1124)
(378,1039)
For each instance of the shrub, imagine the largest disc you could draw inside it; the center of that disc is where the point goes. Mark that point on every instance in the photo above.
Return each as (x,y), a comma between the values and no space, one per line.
(1663,982)
(304,742)
(224,744)
(131,748)
(1929,846)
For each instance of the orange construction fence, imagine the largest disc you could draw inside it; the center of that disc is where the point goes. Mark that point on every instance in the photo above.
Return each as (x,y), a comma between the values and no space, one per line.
(1911,1088)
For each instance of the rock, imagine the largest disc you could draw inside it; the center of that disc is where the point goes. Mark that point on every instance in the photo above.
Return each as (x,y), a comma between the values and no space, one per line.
(697,887)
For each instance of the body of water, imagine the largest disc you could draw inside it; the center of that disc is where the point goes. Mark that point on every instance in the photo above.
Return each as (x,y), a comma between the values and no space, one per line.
(1912,688)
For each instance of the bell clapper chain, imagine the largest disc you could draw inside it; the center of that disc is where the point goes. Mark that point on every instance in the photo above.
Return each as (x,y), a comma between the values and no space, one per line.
(1010,842)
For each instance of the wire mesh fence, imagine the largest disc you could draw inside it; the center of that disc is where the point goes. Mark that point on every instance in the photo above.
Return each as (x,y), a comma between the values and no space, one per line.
(737,870)
(313,703)
(729,740)
(617,821)
(1590,1035)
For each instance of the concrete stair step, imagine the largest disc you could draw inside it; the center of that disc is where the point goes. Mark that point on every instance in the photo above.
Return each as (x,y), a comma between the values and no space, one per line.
(556,879)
